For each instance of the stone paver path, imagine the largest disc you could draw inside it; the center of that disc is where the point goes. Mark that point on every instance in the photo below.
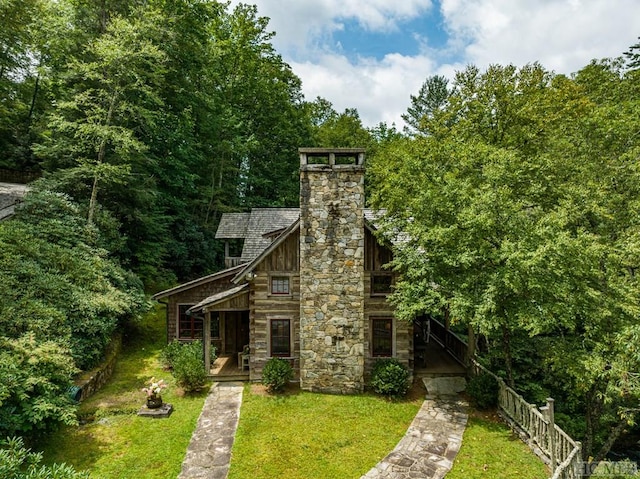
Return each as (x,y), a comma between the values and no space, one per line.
(431,443)
(209,451)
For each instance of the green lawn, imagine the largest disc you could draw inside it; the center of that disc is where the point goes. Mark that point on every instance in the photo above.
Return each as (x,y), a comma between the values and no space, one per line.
(118,444)
(490,450)
(305,435)
(295,435)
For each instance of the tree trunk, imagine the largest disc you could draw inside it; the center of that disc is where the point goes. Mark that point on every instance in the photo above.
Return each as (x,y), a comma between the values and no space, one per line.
(508,360)
(614,434)
(33,99)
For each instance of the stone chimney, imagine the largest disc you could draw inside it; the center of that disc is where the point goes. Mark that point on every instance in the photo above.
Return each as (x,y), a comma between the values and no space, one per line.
(332,269)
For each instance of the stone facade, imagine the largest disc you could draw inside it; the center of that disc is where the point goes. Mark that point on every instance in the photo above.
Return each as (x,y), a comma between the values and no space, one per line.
(332,321)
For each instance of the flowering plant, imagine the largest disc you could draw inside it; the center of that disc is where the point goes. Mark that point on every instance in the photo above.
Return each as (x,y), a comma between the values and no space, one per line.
(155,387)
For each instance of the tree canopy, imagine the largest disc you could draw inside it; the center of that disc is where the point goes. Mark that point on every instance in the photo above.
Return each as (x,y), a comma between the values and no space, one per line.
(519,215)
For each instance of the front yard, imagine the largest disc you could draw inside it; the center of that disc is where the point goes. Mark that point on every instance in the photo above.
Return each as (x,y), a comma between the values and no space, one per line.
(294,435)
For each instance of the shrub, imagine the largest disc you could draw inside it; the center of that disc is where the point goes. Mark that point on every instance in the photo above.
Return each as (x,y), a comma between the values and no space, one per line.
(34,379)
(276,374)
(188,367)
(169,353)
(17,462)
(483,391)
(390,377)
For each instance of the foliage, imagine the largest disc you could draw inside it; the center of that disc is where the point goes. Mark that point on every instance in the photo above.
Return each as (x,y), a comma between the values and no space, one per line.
(34,379)
(188,367)
(18,462)
(519,216)
(113,438)
(276,374)
(154,387)
(62,299)
(390,377)
(483,391)
(336,436)
(169,353)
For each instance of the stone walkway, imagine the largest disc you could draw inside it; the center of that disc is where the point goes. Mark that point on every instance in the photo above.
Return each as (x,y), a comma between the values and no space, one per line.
(426,451)
(431,443)
(209,451)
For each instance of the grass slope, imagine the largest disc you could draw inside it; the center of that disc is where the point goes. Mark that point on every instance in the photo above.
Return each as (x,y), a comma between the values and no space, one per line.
(116,443)
(490,450)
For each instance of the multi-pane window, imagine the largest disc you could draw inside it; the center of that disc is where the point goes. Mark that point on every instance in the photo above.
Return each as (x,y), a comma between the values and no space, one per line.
(281,337)
(280,285)
(189,326)
(381,337)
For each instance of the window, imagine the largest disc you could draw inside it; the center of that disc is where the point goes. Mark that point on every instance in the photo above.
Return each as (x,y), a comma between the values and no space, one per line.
(189,326)
(381,337)
(281,337)
(381,284)
(280,285)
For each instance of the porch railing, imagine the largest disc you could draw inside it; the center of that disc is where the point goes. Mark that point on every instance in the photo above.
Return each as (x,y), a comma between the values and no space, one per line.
(455,345)
(562,452)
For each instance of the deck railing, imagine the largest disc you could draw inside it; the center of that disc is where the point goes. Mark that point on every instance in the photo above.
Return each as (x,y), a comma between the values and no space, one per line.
(562,452)
(455,345)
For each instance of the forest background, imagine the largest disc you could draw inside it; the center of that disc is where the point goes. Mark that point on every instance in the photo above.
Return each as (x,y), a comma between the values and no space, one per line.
(148,120)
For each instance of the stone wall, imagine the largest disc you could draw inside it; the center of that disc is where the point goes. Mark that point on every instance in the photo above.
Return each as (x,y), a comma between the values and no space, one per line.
(332,328)
(91,381)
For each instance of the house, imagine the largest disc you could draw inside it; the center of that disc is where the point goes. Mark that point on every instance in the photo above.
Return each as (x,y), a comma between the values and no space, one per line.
(306,284)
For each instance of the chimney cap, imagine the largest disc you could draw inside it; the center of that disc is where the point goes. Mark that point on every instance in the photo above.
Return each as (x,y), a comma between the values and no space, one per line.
(323,158)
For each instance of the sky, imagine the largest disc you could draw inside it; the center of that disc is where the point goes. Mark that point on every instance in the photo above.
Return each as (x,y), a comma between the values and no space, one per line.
(373,54)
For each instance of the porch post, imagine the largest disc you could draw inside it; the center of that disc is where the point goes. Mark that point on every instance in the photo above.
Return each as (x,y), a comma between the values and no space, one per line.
(207,342)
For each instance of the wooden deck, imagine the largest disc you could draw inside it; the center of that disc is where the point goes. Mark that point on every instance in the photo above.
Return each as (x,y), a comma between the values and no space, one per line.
(437,362)
(225,368)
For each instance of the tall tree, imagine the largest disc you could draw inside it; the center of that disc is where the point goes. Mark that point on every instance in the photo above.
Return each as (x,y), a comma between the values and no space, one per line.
(431,98)
(519,214)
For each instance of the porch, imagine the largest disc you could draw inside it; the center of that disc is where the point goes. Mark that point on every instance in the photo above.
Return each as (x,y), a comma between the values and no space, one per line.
(225,369)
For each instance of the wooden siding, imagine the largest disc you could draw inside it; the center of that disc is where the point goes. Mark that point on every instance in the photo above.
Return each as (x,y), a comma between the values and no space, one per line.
(378,307)
(285,258)
(375,254)
(192,296)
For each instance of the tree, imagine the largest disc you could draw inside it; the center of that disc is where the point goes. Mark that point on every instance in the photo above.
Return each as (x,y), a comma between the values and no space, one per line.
(431,98)
(519,215)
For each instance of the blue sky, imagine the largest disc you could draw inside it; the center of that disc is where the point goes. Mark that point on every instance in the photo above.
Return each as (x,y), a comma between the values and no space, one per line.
(373,54)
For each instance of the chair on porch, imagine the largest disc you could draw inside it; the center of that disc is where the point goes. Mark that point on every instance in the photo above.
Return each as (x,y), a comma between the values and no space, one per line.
(243,358)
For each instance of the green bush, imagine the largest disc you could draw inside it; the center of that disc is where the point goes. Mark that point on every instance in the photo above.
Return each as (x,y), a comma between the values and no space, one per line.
(34,380)
(483,391)
(17,462)
(169,353)
(276,374)
(390,377)
(188,366)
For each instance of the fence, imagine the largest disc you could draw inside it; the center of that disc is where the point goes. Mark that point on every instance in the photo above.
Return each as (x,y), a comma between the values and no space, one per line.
(562,452)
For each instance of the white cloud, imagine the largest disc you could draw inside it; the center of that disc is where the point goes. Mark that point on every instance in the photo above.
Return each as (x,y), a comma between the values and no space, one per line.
(378,90)
(563,35)
(305,26)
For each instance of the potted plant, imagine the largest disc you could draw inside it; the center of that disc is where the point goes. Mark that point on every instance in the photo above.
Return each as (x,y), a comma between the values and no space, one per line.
(153,392)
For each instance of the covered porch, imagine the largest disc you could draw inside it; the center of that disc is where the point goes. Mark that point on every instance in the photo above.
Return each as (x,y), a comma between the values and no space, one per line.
(226,328)
(439,352)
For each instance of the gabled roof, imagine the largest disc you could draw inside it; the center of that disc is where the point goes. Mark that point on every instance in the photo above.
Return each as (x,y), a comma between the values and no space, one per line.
(265,252)
(217,298)
(233,226)
(255,227)
(197,282)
